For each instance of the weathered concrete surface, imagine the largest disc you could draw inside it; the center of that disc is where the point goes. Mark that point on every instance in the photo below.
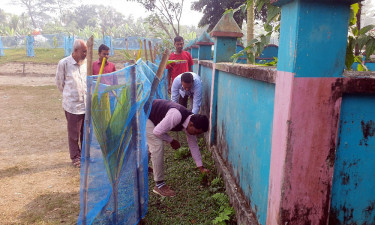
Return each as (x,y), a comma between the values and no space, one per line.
(244,214)
(306,121)
(261,73)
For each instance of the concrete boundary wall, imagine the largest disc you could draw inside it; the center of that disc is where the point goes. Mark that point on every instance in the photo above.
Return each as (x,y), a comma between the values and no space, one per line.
(294,144)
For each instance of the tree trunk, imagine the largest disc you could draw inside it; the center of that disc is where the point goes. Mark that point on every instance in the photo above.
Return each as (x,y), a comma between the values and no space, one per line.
(357,50)
(250,24)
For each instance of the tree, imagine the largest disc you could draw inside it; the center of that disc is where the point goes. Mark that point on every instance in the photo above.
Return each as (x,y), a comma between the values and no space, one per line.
(37,10)
(213,10)
(165,13)
(63,7)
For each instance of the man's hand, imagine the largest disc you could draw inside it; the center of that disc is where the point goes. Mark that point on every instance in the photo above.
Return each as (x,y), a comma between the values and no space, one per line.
(175,144)
(203,170)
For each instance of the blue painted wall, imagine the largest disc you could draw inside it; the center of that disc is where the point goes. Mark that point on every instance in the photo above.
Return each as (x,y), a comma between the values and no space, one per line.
(244,132)
(303,27)
(242,59)
(370,66)
(206,77)
(353,198)
(195,67)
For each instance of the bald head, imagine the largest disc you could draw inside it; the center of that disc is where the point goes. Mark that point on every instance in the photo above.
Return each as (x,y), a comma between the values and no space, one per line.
(79,51)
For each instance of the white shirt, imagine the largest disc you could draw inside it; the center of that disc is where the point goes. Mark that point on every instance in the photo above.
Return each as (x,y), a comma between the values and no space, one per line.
(195,91)
(171,119)
(71,81)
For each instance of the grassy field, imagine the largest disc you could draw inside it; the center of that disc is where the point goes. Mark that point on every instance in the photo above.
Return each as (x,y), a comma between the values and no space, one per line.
(53,55)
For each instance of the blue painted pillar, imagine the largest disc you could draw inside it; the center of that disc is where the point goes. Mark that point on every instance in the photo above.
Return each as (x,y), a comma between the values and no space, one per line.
(30,46)
(204,42)
(225,34)
(108,41)
(68,45)
(194,51)
(311,60)
(204,52)
(1,48)
(313,23)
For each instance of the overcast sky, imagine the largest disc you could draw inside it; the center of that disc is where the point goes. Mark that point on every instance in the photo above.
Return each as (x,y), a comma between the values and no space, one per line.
(189,17)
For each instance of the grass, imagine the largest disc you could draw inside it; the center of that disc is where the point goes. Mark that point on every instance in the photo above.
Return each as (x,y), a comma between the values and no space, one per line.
(53,55)
(194,202)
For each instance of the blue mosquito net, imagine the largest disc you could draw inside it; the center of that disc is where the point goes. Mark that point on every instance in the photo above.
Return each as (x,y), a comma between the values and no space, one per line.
(114,162)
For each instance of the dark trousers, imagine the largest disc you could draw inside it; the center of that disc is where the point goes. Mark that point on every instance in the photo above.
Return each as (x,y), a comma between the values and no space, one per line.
(183,100)
(75,134)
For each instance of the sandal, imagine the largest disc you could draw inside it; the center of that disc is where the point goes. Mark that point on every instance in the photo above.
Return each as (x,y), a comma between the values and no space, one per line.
(77,163)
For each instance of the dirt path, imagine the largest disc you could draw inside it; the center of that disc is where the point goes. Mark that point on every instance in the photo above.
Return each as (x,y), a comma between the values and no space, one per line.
(38,185)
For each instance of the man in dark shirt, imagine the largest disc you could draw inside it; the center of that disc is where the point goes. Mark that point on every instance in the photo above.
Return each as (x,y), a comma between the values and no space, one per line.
(168,116)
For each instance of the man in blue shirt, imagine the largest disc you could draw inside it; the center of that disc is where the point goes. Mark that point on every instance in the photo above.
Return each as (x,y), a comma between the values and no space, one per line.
(185,85)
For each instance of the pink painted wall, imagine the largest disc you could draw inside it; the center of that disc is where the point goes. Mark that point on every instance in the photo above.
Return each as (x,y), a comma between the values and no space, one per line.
(302,155)
(283,94)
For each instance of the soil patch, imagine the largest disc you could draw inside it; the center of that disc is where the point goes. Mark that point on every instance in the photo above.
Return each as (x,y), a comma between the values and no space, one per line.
(38,184)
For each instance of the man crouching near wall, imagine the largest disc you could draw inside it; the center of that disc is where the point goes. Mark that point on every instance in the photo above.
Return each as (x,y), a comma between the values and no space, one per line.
(168,116)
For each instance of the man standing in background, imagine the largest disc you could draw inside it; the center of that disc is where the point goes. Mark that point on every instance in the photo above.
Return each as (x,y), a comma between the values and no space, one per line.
(71,81)
(184,65)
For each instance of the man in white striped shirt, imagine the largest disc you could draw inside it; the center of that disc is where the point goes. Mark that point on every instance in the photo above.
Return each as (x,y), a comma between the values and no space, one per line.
(71,81)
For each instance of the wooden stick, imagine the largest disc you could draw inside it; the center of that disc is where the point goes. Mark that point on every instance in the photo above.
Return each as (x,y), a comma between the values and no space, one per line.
(135,124)
(90,45)
(155,50)
(159,75)
(126,44)
(150,48)
(145,44)
(163,63)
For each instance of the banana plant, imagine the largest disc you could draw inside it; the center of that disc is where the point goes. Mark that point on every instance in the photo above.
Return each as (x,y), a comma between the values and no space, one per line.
(113,130)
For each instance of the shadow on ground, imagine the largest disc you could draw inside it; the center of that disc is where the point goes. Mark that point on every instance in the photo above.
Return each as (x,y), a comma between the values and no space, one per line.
(52,208)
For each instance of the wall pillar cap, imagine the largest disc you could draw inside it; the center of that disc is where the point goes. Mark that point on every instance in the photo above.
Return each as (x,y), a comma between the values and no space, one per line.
(205,39)
(226,27)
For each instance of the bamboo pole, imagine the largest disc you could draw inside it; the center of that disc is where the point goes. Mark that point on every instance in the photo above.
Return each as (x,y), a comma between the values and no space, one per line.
(159,75)
(145,44)
(155,50)
(135,129)
(90,45)
(151,55)
(126,44)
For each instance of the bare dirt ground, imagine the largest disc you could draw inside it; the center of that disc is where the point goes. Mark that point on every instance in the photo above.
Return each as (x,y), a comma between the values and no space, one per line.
(38,184)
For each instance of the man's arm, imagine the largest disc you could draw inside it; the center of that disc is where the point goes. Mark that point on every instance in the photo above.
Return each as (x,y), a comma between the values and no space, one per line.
(197,99)
(171,119)
(169,78)
(194,149)
(60,76)
(175,89)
